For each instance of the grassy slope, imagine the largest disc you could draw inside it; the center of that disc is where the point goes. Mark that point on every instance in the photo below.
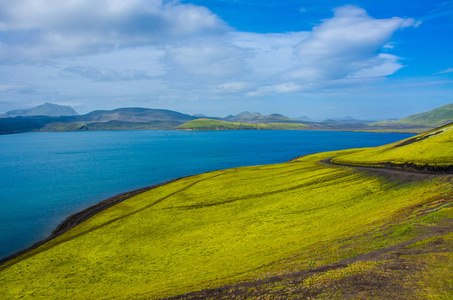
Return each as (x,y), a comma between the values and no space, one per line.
(210,124)
(434,147)
(111,125)
(244,224)
(432,118)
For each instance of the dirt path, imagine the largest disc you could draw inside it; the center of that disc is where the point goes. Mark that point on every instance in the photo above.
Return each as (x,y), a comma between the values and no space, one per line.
(391,173)
(406,168)
(357,287)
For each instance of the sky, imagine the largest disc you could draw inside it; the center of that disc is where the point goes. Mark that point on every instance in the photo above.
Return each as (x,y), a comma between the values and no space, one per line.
(367,59)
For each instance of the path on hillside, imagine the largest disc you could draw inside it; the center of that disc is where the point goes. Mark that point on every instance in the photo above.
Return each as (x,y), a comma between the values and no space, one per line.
(77,218)
(390,173)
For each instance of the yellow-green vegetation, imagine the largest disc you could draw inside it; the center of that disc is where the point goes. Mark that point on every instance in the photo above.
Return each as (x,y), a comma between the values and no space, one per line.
(245,224)
(283,126)
(212,124)
(432,148)
(433,118)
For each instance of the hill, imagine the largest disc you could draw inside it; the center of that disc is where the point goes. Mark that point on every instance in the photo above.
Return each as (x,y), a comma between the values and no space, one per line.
(118,119)
(429,151)
(136,114)
(305,228)
(46,109)
(433,118)
(348,120)
(110,125)
(211,124)
(248,117)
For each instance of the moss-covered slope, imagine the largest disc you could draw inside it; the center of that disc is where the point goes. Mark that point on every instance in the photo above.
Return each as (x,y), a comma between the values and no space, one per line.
(328,225)
(212,124)
(432,150)
(433,118)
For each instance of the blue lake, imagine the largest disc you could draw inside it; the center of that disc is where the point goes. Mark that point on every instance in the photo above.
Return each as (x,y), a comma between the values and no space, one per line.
(45,177)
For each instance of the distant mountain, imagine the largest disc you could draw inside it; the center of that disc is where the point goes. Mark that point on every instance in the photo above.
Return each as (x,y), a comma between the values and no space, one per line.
(46,109)
(135,114)
(3,116)
(348,120)
(118,119)
(200,116)
(256,117)
(303,118)
(433,118)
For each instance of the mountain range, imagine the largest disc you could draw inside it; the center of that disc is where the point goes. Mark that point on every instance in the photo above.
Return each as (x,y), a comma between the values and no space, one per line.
(52,117)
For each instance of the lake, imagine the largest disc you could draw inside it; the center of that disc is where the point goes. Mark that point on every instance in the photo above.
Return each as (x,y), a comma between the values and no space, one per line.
(45,177)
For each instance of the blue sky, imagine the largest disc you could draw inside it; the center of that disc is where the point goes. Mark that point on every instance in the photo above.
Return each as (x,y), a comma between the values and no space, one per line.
(321,59)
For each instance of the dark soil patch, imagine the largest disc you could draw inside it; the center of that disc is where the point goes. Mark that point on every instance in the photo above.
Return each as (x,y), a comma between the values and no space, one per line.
(389,280)
(406,172)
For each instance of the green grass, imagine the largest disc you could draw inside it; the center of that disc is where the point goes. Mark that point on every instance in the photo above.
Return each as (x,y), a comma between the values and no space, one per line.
(211,124)
(433,118)
(434,148)
(232,226)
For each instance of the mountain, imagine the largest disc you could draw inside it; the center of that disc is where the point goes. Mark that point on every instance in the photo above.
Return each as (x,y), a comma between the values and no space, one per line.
(433,118)
(46,109)
(303,118)
(200,116)
(3,116)
(117,119)
(256,117)
(348,120)
(307,228)
(135,114)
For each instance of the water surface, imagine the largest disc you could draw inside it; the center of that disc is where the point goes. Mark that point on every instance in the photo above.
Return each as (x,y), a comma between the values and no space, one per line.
(45,177)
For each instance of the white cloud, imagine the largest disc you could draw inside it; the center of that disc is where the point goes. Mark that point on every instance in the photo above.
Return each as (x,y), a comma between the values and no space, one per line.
(39,29)
(449,70)
(235,87)
(18,88)
(210,59)
(104,74)
(349,43)
(161,50)
(283,88)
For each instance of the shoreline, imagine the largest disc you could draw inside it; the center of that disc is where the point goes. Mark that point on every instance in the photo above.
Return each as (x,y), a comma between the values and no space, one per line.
(81,216)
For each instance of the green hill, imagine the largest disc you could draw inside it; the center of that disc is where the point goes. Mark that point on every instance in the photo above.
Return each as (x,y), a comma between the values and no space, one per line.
(46,109)
(212,124)
(131,118)
(248,117)
(432,150)
(301,229)
(135,114)
(433,118)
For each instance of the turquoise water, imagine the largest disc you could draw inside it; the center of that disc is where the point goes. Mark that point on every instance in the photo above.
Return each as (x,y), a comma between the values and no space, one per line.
(45,177)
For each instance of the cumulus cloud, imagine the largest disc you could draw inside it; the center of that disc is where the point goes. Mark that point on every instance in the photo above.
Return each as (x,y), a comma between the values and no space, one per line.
(283,88)
(104,74)
(347,45)
(18,88)
(38,29)
(235,87)
(183,51)
(207,58)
